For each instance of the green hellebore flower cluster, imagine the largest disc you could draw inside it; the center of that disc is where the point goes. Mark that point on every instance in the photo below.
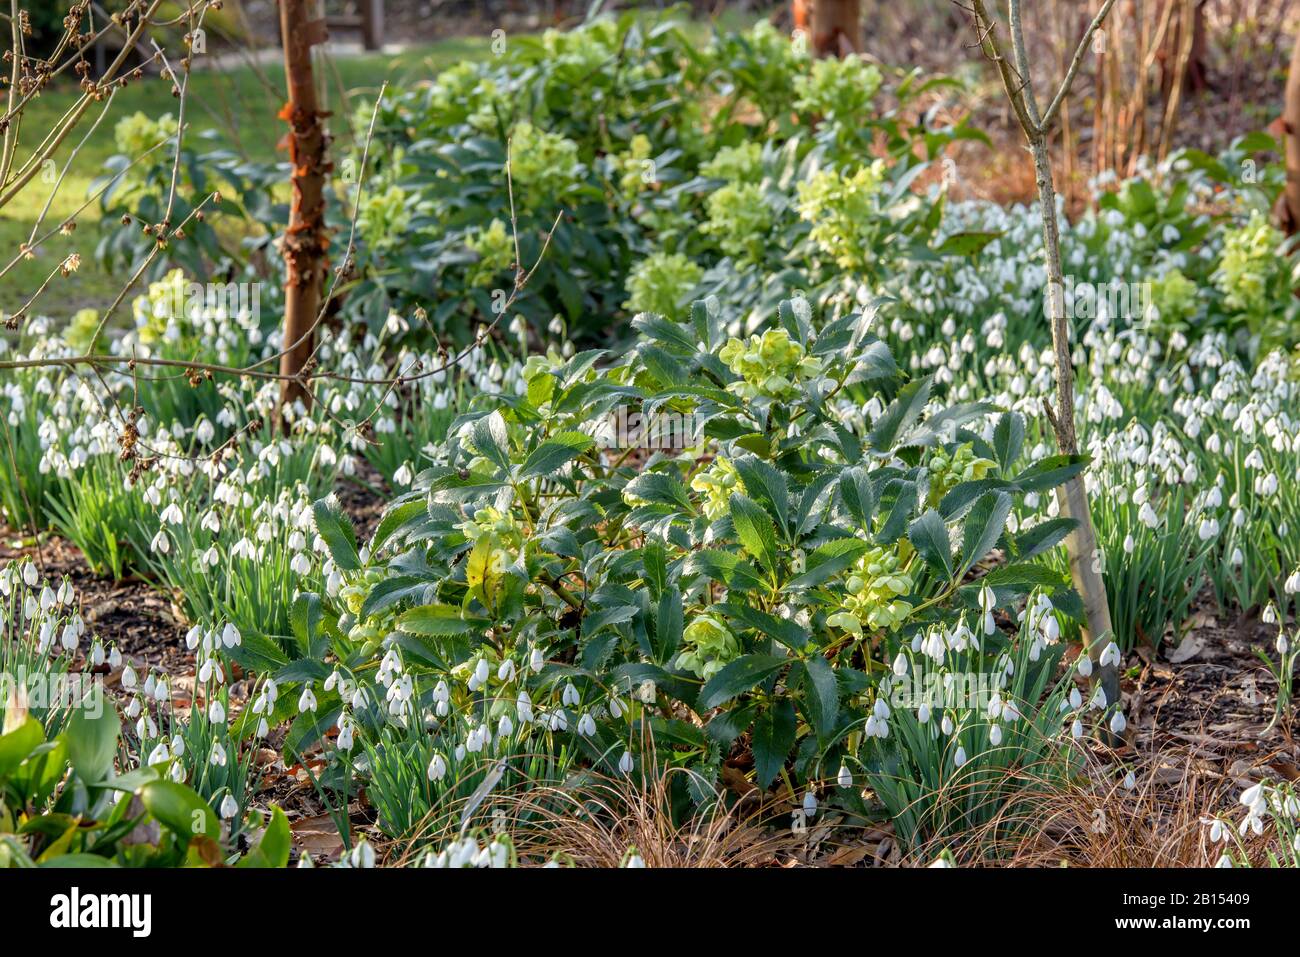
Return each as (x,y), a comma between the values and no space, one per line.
(838,88)
(736,164)
(740,217)
(873,587)
(660,282)
(545,162)
(1249,265)
(496,252)
(1174,296)
(633,165)
(770,365)
(709,646)
(947,470)
(841,208)
(385,217)
(716,484)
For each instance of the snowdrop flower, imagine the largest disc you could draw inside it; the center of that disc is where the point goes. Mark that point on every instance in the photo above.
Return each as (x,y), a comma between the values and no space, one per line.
(586,726)
(1130,781)
(625,762)
(307,701)
(362,855)
(230,636)
(1110,655)
(1292,584)
(569,698)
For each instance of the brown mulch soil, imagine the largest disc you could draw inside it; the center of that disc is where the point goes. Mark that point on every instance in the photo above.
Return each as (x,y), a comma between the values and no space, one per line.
(1212,696)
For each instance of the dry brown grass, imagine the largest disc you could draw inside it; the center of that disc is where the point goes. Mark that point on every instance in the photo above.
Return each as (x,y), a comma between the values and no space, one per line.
(1092,820)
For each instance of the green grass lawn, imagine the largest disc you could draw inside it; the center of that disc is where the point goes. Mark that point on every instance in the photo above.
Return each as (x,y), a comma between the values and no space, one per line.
(238,100)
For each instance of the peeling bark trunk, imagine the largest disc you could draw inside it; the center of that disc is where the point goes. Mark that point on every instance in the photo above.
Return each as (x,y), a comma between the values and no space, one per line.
(306,240)
(1081,546)
(1287,209)
(834,27)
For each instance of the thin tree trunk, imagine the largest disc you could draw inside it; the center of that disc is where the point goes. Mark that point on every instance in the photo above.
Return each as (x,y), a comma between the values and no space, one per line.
(1081,546)
(1287,209)
(833,26)
(306,240)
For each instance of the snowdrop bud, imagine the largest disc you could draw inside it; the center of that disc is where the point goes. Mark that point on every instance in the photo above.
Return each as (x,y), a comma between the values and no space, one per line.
(128,678)
(1217,833)
(1085,665)
(1130,781)
(229,807)
(192,637)
(1118,723)
(535,660)
(482,671)
(946,724)
(809,804)
(960,758)
(437,767)
(900,665)
(995,734)
(625,762)
(844,779)
(923,713)
(1076,729)
(1224,861)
